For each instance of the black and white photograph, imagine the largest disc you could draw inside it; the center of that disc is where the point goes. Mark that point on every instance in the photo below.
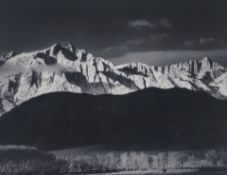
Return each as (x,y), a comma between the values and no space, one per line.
(113,87)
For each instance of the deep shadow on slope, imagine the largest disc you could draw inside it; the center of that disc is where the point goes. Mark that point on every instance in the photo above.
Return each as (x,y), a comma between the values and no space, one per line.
(148,119)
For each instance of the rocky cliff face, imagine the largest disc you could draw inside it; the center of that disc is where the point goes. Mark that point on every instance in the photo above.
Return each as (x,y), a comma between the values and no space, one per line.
(64,68)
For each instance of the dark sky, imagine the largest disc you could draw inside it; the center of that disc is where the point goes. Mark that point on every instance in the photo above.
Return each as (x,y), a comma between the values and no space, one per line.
(153,31)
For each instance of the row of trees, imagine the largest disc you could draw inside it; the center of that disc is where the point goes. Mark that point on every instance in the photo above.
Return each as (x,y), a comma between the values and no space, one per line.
(127,161)
(26,160)
(21,159)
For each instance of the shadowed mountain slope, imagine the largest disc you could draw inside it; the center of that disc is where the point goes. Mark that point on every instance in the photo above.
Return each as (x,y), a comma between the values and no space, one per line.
(147,119)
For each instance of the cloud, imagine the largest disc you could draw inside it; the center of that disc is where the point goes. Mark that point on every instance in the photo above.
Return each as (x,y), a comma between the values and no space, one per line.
(116,47)
(138,41)
(225,47)
(159,36)
(164,22)
(200,41)
(134,42)
(143,23)
(209,40)
(190,43)
(151,37)
(170,57)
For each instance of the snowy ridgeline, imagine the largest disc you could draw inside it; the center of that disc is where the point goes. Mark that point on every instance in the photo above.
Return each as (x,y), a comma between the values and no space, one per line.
(64,68)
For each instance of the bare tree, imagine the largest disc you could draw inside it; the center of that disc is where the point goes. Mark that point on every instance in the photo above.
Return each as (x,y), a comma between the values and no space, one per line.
(183,157)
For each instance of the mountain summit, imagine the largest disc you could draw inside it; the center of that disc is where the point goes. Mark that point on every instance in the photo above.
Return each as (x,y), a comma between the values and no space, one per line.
(63,68)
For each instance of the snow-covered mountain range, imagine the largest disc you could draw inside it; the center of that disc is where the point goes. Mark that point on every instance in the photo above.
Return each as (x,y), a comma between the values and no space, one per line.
(61,67)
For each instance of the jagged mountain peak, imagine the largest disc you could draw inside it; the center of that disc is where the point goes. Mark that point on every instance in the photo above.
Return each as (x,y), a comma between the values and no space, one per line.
(135,68)
(206,60)
(209,69)
(66,46)
(60,54)
(10,54)
(7,56)
(67,51)
(191,66)
(132,65)
(207,64)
